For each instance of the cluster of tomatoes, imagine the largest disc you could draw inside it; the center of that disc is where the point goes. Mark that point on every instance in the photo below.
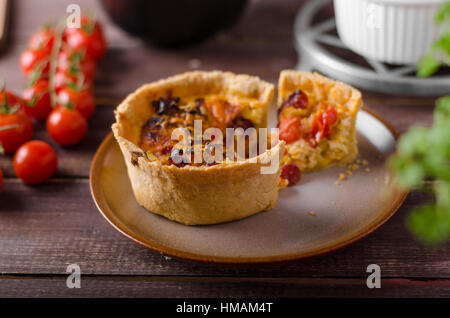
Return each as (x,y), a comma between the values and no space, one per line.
(60,64)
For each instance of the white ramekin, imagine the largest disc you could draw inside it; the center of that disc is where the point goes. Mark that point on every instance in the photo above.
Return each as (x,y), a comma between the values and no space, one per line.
(391,31)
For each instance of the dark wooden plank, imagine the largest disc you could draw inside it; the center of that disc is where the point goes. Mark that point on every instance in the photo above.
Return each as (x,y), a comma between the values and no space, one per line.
(58,224)
(219,287)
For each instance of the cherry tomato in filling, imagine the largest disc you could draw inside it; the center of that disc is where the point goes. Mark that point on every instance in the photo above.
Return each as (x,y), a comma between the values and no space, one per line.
(35,162)
(241,122)
(322,122)
(291,173)
(37,100)
(291,129)
(66,126)
(298,99)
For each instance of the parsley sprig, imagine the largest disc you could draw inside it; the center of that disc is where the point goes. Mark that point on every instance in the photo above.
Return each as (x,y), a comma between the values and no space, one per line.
(423,155)
(439,53)
(422,160)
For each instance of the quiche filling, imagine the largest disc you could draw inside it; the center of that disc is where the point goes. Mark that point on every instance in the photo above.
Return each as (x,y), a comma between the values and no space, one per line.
(172,113)
(317,121)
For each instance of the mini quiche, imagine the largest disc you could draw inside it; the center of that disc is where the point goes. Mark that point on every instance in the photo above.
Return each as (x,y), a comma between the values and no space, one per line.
(187,191)
(317,119)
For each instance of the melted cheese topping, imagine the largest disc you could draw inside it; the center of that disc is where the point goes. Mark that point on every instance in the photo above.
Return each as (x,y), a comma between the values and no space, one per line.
(213,110)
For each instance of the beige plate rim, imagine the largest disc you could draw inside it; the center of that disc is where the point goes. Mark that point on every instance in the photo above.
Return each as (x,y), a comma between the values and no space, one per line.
(108,214)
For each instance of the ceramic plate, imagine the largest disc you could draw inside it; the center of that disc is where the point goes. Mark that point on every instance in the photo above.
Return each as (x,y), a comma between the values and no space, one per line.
(314,217)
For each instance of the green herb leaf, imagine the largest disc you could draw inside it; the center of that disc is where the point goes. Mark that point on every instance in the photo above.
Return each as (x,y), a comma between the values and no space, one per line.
(428,65)
(443,13)
(429,224)
(424,154)
(439,53)
(443,106)
(442,45)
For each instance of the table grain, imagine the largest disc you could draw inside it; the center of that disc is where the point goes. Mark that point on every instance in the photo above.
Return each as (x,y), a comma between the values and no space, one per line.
(47,227)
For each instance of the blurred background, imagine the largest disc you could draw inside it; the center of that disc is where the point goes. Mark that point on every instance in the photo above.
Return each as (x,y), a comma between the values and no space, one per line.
(260,35)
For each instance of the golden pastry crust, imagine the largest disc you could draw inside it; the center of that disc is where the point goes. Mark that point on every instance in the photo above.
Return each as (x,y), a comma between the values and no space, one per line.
(341,147)
(197,194)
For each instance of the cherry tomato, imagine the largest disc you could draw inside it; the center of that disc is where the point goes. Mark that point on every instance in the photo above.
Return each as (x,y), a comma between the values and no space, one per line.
(88,37)
(81,100)
(291,129)
(31,59)
(76,63)
(37,98)
(12,99)
(298,99)
(291,173)
(15,125)
(66,126)
(62,80)
(42,40)
(35,162)
(323,121)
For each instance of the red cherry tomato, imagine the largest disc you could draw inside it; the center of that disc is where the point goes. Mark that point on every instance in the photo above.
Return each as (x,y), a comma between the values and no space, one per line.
(298,99)
(37,98)
(76,63)
(31,59)
(42,40)
(66,126)
(62,80)
(291,129)
(323,121)
(15,126)
(35,162)
(82,100)
(12,99)
(291,173)
(88,37)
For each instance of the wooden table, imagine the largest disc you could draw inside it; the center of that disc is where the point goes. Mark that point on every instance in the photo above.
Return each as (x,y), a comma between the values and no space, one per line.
(44,228)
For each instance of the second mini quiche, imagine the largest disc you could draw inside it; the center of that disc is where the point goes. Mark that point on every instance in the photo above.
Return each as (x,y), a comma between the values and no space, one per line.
(317,119)
(201,192)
